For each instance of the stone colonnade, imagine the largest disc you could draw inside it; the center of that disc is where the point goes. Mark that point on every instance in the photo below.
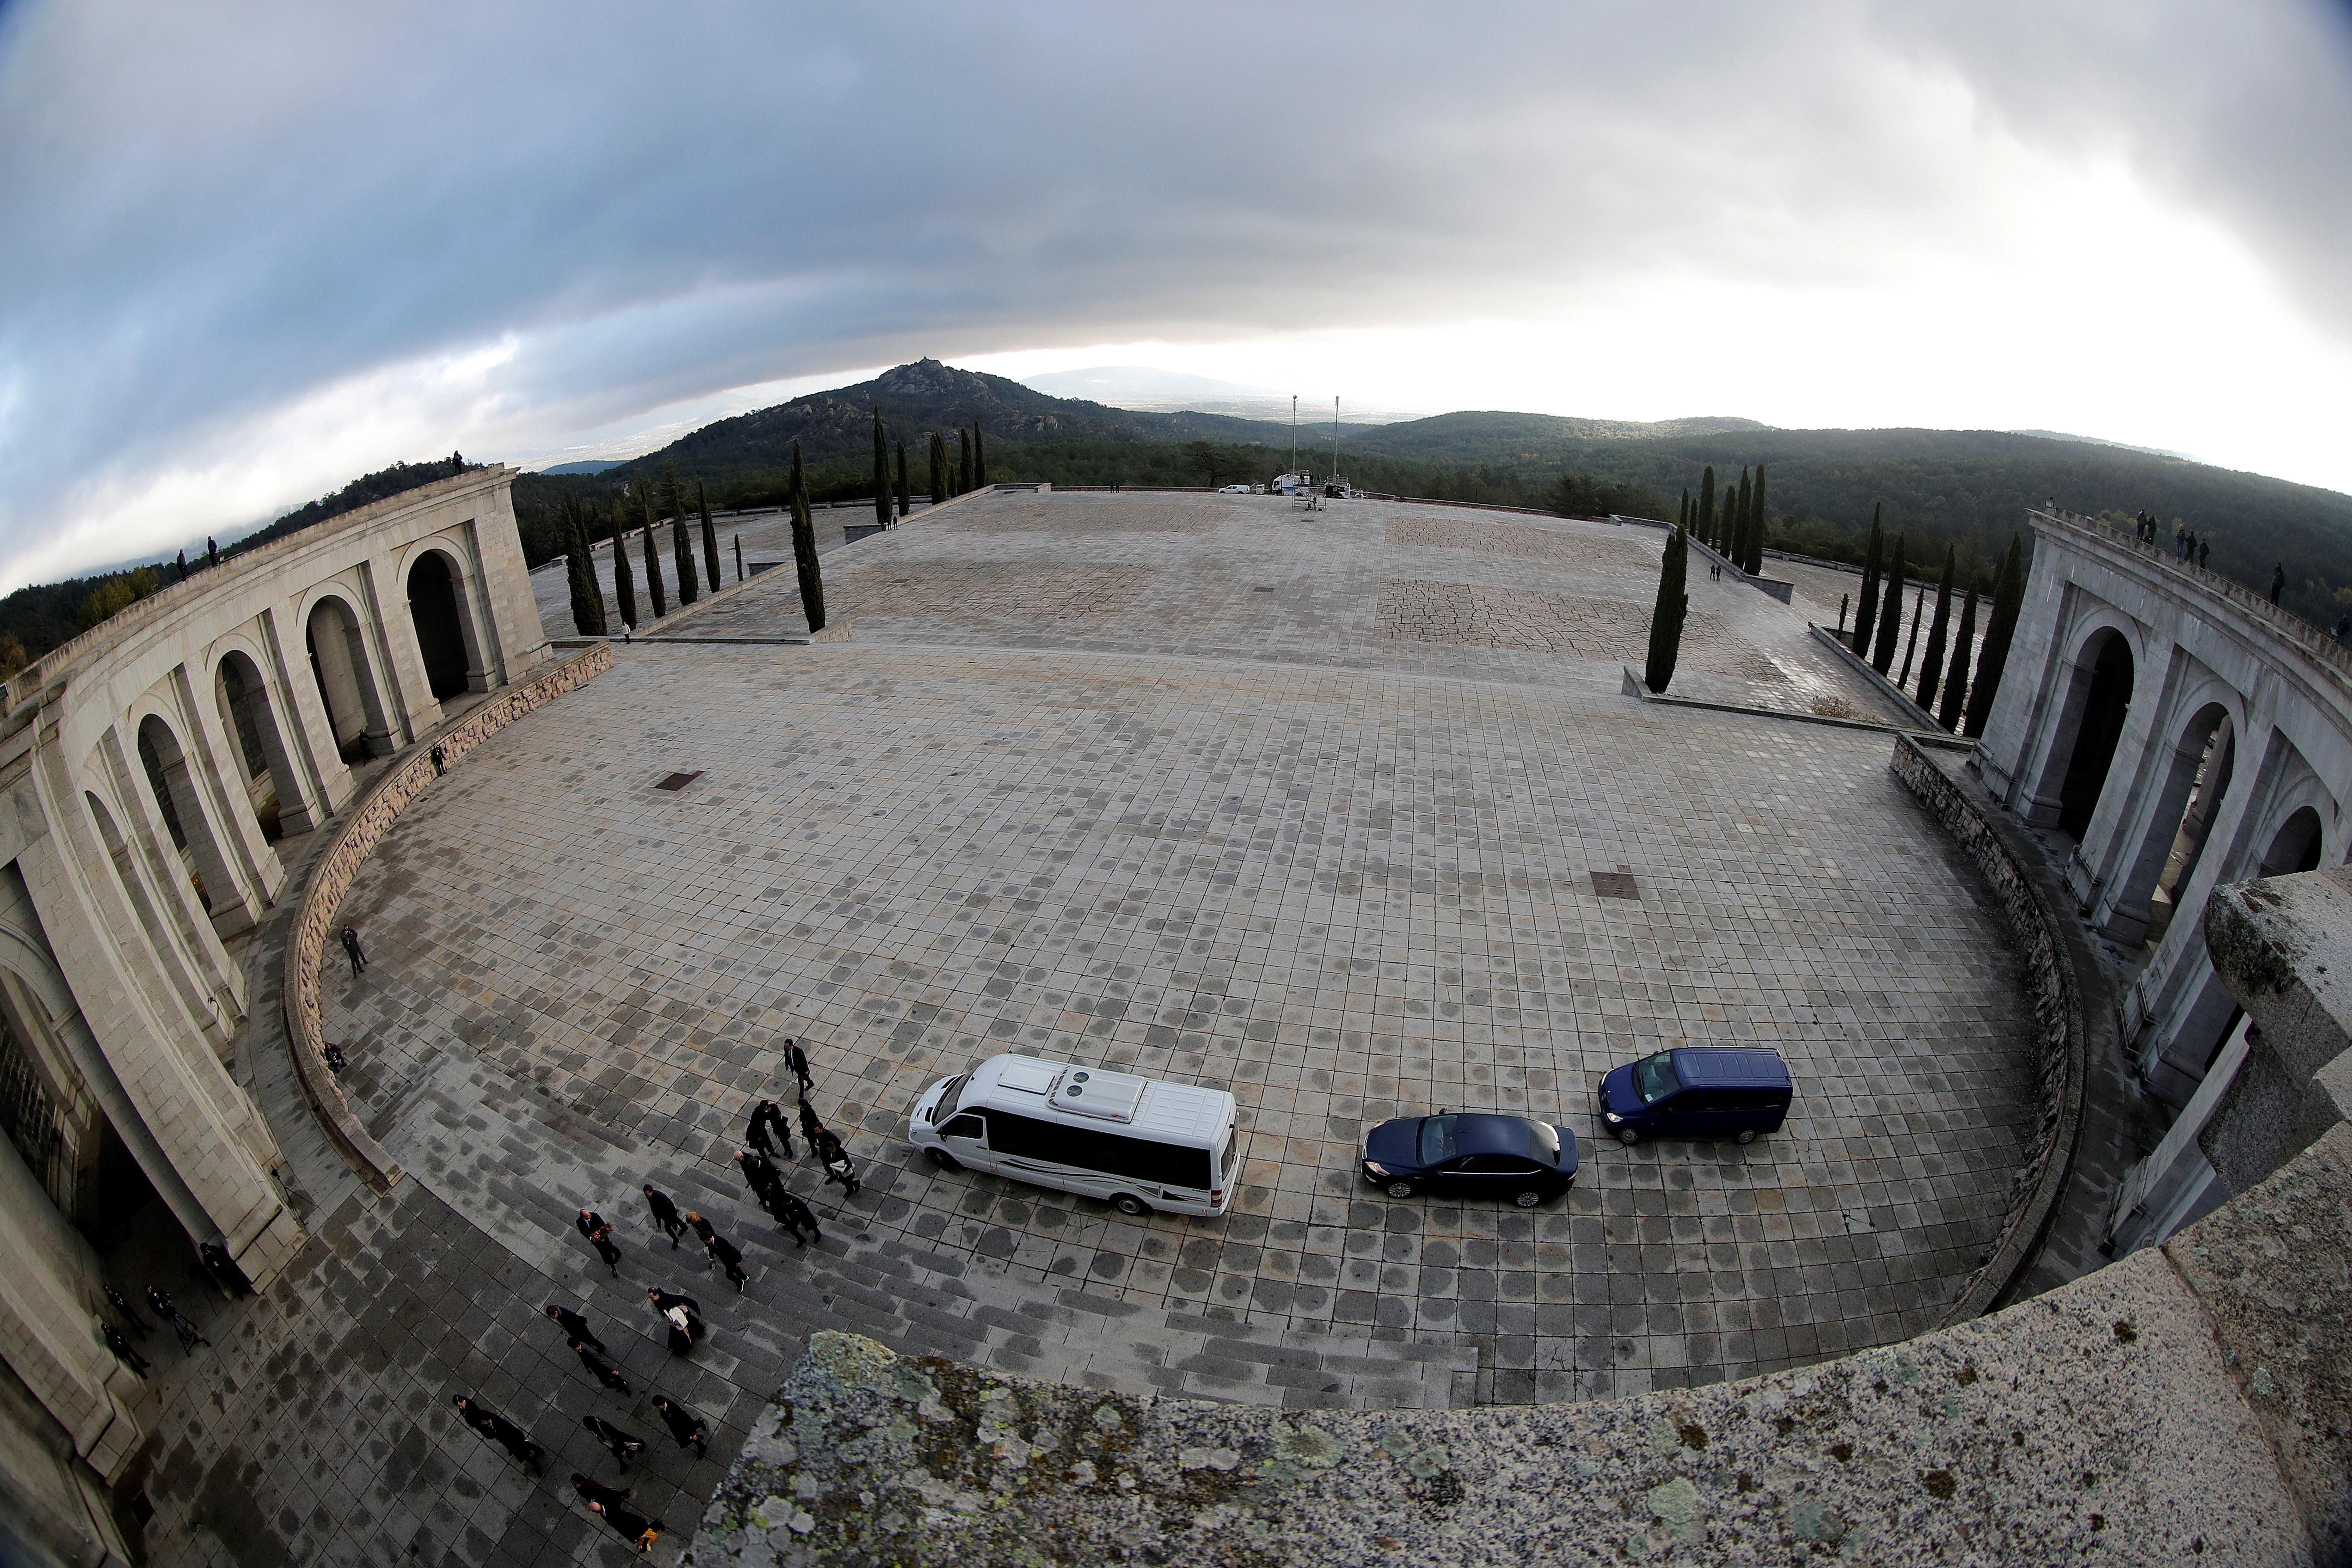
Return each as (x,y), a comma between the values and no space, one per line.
(147,769)
(2183,734)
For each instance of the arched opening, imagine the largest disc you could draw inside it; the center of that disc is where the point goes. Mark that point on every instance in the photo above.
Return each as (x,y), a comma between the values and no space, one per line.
(443,637)
(2103,681)
(181,808)
(246,713)
(2196,776)
(339,662)
(2294,847)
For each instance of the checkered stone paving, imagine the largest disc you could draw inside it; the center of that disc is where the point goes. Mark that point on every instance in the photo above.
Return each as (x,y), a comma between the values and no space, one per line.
(1224,831)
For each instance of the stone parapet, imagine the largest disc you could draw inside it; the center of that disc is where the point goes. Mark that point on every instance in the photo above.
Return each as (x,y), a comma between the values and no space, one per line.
(314,924)
(2061,1068)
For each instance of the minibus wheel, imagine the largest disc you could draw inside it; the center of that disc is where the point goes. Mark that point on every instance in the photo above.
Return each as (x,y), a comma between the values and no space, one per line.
(943,1160)
(1130,1205)
(1748,1135)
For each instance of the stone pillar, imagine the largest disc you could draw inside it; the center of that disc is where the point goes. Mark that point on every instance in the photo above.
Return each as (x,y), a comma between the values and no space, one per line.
(218,763)
(408,690)
(2127,913)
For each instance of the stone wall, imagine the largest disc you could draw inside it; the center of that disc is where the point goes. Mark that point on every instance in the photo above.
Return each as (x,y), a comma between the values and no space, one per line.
(363,827)
(2059,1068)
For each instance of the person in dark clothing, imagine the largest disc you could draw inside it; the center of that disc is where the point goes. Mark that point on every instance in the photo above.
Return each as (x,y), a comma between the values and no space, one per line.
(351,947)
(575,1326)
(730,1259)
(629,1524)
(664,1301)
(232,1279)
(130,1317)
(124,1351)
(797,1218)
(689,1429)
(811,1128)
(2278,581)
(701,1228)
(837,1167)
(778,1127)
(603,1370)
(333,1054)
(796,1062)
(599,1233)
(593,1491)
(755,1133)
(665,1214)
(501,1431)
(617,1443)
(757,1174)
(2204,552)
(678,1327)
(163,1307)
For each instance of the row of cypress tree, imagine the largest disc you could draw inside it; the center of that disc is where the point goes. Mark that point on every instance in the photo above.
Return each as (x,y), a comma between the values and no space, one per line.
(1735,531)
(581,532)
(969,471)
(1965,700)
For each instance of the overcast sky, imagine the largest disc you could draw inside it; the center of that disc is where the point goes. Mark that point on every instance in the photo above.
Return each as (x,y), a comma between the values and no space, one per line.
(248,252)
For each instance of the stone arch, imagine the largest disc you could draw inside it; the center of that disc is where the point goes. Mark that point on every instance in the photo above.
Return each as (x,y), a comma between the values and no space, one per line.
(179,800)
(266,781)
(2296,845)
(2089,724)
(2198,772)
(448,641)
(347,680)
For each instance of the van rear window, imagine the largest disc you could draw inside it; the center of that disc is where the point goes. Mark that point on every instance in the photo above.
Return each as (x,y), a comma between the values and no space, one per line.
(1137,1159)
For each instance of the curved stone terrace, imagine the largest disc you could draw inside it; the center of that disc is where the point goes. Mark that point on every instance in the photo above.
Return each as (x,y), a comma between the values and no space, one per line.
(1305,805)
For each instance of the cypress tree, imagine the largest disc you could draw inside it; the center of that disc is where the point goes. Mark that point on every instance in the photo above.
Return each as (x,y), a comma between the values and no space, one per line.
(1739,525)
(905,505)
(1955,679)
(979,459)
(579,577)
(624,581)
(938,468)
(739,558)
(709,535)
(805,547)
(2008,599)
(681,548)
(1932,669)
(1911,642)
(1683,518)
(1666,616)
(881,474)
(1865,608)
(962,477)
(1758,516)
(653,556)
(1890,615)
(1707,509)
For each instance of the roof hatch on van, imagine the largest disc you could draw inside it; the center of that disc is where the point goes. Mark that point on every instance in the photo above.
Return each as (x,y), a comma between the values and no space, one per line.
(1027,1074)
(1113,1096)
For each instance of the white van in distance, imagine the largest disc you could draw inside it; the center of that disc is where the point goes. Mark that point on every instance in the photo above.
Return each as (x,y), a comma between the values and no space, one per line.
(1134,1142)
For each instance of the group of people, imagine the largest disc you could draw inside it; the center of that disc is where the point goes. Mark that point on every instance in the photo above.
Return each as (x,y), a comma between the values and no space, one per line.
(768,1137)
(2186,545)
(216,1262)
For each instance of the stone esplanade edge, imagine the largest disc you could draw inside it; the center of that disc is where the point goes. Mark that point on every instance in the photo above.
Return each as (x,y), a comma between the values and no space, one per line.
(363,826)
(2061,1074)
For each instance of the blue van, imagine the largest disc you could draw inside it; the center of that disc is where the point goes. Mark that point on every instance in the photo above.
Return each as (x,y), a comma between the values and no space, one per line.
(1696,1091)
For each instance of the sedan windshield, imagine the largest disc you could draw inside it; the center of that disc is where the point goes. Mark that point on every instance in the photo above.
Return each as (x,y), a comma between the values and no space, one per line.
(1654,1077)
(1436,1140)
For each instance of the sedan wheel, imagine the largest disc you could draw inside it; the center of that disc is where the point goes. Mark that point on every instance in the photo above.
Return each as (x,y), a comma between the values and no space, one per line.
(1748,1135)
(1399,1189)
(1130,1205)
(1527,1199)
(1627,1135)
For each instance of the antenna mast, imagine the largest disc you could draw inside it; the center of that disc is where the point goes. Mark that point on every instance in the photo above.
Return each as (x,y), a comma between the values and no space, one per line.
(1335,437)
(1294,432)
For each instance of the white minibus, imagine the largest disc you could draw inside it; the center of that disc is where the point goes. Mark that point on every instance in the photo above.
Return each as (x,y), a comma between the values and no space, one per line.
(1134,1142)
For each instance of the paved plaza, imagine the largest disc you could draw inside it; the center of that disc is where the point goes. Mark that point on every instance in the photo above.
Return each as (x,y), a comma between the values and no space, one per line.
(1304,805)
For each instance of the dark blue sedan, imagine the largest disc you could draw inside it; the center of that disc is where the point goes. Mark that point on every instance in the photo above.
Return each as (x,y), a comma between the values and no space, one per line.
(1471,1156)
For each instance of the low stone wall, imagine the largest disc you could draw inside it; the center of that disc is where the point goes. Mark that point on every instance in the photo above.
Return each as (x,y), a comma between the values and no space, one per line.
(363,825)
(2061,1068)
(1886,689)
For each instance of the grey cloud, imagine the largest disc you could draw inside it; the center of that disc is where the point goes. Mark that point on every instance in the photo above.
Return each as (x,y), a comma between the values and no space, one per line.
(221,210)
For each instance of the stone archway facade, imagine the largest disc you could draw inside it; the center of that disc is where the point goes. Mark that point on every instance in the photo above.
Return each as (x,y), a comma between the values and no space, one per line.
(134,760)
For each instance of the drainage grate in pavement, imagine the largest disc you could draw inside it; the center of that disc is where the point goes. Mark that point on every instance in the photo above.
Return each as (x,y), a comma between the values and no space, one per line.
(1617,884)
(680,781)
